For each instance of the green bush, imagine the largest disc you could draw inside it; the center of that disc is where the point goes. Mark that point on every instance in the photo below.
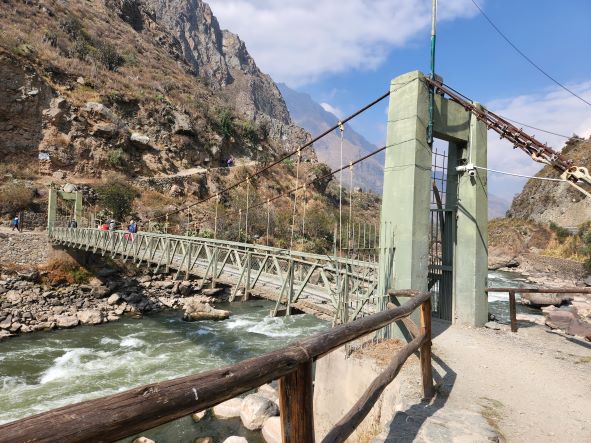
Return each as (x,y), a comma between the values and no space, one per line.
(561,233)
(107,55)
(117,156)
(224,123)
(117,198)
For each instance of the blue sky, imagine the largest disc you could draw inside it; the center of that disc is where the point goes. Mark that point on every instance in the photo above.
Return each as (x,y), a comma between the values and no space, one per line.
(344,53)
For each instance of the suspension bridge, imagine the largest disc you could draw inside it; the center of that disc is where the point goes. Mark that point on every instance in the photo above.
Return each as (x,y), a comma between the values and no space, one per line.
(432,233)
(427,257)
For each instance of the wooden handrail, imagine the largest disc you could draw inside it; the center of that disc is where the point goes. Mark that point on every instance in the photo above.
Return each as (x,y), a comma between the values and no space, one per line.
(127,413)
(345,427)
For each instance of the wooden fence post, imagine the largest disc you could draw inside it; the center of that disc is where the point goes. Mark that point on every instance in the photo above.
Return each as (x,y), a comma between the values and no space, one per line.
(296,395)
(426,369)
(512,311)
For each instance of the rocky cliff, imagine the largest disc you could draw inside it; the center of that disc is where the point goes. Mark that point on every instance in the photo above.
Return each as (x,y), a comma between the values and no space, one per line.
(139,86)
(547,201)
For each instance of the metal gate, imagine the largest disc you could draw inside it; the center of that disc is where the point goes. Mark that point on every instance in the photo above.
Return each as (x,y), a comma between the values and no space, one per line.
(442,236)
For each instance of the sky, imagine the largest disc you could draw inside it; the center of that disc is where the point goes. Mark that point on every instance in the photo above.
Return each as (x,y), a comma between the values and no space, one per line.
(345,52)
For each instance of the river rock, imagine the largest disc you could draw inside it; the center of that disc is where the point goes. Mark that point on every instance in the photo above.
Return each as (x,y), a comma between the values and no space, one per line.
(269,392)
(228,409)
(272,430)
(539,300)
(113,299)
(198,416)
(66,321)
(5,324)
(196,310)
(90,317)
(203,440)
(255,410)
(143,440)
(569,322)
(235,439)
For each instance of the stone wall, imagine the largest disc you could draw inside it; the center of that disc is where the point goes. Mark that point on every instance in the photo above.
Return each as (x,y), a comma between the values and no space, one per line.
(24,248)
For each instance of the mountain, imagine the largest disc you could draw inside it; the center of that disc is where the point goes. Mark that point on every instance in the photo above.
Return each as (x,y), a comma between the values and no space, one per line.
(141,87)
(315,119)
(548,201)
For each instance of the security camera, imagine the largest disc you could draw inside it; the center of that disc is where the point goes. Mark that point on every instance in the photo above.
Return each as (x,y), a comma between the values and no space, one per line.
(472,173)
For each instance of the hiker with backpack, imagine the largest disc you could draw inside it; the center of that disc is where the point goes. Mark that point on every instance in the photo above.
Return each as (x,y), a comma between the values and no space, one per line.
(132,229)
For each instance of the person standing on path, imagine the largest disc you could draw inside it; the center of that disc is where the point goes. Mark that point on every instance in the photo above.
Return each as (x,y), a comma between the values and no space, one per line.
(15,223)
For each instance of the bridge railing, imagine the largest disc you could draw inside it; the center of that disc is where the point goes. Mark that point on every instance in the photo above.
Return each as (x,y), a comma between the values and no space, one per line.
(513,291)
(127,413)
(347,287)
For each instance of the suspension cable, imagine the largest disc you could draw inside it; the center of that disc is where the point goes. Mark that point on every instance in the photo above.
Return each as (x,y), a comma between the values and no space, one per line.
(247,203)
(268,218)
(304,216)
(294,152)
(295,196)
(342,132)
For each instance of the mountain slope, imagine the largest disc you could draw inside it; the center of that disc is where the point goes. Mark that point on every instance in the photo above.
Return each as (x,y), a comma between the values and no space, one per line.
(314,118)
(115,85)
(546,201)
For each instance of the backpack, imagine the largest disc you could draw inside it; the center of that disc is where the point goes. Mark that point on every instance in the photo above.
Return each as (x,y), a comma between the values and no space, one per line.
(133,228)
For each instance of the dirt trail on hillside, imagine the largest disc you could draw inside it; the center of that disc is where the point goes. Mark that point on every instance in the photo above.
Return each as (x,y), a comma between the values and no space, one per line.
(532,386)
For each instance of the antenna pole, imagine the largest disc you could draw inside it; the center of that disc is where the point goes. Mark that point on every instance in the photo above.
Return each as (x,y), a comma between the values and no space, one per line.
(431,88)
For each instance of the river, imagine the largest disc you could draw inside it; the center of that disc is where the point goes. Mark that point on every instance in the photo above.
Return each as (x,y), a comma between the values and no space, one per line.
(44,370)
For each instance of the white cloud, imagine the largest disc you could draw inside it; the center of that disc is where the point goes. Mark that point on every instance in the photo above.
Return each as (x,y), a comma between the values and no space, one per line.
(553,110)
(332,109)
(298,41)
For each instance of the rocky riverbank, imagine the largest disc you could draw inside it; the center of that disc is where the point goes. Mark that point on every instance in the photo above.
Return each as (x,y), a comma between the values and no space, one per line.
(27,305)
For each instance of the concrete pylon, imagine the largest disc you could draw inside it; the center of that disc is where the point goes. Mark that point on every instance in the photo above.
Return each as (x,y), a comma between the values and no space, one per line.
(405,217)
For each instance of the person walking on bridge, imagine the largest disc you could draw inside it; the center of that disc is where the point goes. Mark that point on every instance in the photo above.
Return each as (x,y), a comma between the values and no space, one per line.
(132,229)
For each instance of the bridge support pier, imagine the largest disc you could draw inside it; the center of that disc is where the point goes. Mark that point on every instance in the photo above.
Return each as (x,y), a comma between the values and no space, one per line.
(406,235)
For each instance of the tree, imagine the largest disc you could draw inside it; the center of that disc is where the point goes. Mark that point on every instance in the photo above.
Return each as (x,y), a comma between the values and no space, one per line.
(117,198)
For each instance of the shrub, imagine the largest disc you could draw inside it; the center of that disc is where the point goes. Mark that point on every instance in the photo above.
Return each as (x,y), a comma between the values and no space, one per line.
(224,123)
(65,271)
(116,157)
(15,197)
(117,198)
(561,233)
(107,55)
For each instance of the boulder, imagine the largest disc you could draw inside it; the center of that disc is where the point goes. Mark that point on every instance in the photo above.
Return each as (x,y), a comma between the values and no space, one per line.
(204,440)
(90,317)
(182,124)
(539,300)
(66,321)
(228,409)
(269,392)
(272,430)
(198,416)
(569,322)
(100,291)
(113,299)
(143,440)
(5,324)
(235,439)
(255,410)
(4,334)
(196,310)
(139,138)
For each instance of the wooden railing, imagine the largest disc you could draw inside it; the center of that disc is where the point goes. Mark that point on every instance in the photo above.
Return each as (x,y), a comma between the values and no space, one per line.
(130,412)
(513,291)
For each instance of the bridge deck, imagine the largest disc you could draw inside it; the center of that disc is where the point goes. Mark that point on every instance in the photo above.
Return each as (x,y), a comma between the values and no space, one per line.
(330,287)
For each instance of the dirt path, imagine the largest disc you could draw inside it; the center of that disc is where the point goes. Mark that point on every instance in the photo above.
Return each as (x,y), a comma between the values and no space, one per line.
(532,386)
